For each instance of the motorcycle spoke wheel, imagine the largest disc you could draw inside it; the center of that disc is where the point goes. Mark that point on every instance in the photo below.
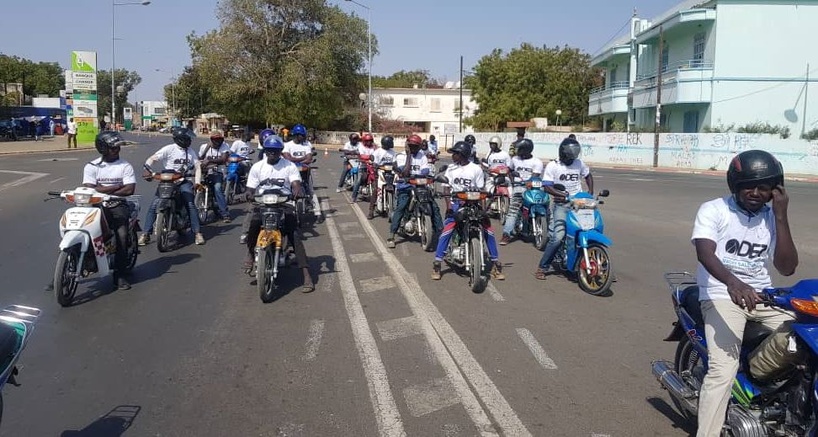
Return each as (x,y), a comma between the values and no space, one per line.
(132,250)
(477,279)
(66,276)
(541,232)
(229,187)
(163,230)
(264,275)
(595,278)
(689,365)
(426,234)
(201,206)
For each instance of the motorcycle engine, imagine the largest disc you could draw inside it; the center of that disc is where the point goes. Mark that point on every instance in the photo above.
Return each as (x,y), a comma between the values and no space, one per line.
(458,254)
(409,227)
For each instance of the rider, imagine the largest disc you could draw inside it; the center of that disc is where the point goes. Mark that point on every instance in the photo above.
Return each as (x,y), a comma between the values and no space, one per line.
(261,137)
(174,157)
(111,175)
(433,145)
(568,171)
(472,142)
(527,166)
(495,158)
(350,146)
(411,162)
(243,148)
(464,175)
(300,152)
(276,168)
(365,149)
(729,277)
(384,155)
(431,156)
(215,153)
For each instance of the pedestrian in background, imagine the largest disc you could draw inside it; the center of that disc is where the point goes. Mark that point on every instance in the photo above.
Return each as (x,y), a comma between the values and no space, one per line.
(72,132)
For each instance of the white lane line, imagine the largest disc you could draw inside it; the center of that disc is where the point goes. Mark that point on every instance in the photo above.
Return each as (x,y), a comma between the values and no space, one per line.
(460,366)
(398,328)
(386,411)
(55,180)
(537,350)
(58,159)
(351,236)
(363,257)
(326,280)
(314,339)
(432,396)
(494,293)
(30,177)
(376,284)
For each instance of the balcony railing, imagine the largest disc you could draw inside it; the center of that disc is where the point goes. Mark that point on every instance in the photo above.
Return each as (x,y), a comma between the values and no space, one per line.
(690,64)
(611,86)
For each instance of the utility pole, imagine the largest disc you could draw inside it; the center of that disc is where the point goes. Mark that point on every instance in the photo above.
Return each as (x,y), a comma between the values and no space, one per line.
(658,100)
(806,95)
(460,126)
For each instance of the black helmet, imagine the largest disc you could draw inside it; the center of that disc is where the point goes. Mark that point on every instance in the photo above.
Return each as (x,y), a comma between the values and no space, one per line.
(461,147)
(183,136)
(470,139)
(524,147)
(107,139)
(754,166)
(569,150)
(387,142)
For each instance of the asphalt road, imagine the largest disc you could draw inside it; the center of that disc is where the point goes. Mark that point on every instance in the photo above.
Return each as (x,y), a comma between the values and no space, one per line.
(377,349)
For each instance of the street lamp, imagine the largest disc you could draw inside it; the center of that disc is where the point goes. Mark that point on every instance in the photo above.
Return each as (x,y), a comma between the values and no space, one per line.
(172,92)
(558,112)
(113,51)
(369,57)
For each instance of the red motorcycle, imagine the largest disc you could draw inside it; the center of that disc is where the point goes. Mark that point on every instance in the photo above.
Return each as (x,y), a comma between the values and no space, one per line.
(501,198)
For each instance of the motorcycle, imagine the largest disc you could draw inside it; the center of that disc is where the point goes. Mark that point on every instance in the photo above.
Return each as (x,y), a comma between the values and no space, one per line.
(352,169)
(369,175)
(171,212)
(584,252)
(205,199)
(386,197)
(534,213)
(273,200)
(467,247)
(87,244)
(17,323)
(303,204)
(417,221)
(785,407)
(501,197)
(233,183)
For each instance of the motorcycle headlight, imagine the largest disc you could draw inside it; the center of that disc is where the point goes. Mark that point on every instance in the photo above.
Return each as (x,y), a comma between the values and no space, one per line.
(166,177)
(269,198)
(82,198)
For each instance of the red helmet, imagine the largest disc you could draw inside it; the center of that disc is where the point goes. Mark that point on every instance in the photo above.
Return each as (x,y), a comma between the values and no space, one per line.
(367,137)
(414,140)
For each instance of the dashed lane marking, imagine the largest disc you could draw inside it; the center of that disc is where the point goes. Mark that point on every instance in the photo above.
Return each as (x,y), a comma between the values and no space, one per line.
(537,350)
(432,396)
(314,339)
(376,284)
(363,257)
(398,328)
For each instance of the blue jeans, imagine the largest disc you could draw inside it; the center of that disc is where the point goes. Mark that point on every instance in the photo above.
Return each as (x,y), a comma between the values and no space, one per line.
(343,175)
(448,229)
(402,199)
(218,179)
(556,233)
(186,190)
(514,207)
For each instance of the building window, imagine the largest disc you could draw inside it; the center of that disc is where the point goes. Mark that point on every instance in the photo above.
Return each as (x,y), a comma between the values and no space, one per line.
(613,75)
(698,49)
(665,56)
(435,105)
(387,101)
(410,102)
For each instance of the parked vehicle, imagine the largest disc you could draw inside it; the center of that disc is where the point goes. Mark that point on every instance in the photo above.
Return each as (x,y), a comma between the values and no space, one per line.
(17,323)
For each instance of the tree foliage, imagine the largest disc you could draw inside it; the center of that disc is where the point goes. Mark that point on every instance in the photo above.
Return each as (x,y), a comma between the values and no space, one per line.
(531,82)
(37,78)
(128,80)
(406,79)
(190,95)
(282,61)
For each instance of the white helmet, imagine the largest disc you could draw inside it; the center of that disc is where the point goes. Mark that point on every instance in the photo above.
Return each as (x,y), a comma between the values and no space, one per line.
(496,139)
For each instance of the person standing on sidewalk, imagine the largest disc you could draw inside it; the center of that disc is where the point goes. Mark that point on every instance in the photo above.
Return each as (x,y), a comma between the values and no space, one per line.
(72,132)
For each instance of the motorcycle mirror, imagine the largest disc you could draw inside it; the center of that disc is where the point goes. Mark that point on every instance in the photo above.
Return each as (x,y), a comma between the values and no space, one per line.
(604,193)
(559,187)
(442,179)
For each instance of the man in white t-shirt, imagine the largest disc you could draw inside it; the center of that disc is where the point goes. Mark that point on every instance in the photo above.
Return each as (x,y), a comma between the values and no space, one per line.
(350,146)
(214,154)
(72,132)
(274,168)
(527,166)
(464,175)
(495,159)
(300,152)
(364,152)
(568,171)
(383,156)
(736,238)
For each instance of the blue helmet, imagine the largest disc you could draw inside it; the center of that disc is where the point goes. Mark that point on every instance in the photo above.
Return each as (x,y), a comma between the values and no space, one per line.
(299,129)
(264,134)
(273,142)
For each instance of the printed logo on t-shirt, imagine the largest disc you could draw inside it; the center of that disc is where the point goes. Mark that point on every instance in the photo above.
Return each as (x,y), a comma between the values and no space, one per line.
(572,177)
(745,249)
(463,182)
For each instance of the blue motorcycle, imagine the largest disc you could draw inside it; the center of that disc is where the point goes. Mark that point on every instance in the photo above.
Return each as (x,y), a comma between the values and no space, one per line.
(584,252)
(784,407)
(16,326)
(533,221)
(236,178)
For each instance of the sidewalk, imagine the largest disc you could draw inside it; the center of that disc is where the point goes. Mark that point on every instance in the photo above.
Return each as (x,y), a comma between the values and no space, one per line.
(46,145)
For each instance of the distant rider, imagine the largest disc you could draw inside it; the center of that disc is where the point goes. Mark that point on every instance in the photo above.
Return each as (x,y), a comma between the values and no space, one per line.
(472,142)
(384,155)
(300,152)
(365,151)
(527,166)
(215,153)
(350,146)
(495,158)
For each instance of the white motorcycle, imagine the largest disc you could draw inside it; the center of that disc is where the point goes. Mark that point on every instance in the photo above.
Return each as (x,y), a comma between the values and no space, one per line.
(88,245)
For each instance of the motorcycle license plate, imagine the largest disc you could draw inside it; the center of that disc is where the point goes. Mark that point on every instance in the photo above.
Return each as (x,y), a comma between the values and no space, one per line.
(586,219)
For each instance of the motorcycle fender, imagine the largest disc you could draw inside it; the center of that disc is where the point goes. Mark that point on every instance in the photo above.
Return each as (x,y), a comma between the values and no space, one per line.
(72,238)
(425,208)
(163,204)
(266,238)
(592,236)
(808,333)
(677,333)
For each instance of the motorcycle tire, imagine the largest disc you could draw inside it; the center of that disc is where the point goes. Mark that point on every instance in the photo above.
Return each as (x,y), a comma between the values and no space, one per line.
(229,188)
(132,250)
(164,226)
(541,232)
(300,210)
(426,234)
(502,205)
(477,279)
(265,281)
(201,207)
(388,205)
(65,279)
(686,360)
(598,282)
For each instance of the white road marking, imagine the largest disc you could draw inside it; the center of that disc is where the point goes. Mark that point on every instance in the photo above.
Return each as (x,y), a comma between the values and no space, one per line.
(29,177)
(386,411)
(435,395)
(57,159)
(376,284)
(642,180)
(346,227)
(363,257)
(314,339)
(351,235)
(494,293)
(55,180)
(398,328)
(537,350)
(462,369)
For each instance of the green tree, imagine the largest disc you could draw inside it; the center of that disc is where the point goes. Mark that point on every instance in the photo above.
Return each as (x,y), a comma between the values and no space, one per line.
(531,82)
(37,78)
(405,79)
(282,61)
(190,95)
(128,80)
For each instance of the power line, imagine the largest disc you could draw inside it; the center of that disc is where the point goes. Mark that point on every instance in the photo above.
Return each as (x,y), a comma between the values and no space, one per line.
(613,36)
(780,84)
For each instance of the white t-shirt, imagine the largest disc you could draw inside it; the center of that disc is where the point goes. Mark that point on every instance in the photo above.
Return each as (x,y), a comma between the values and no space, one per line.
(174,157)
(433,147)
(496,159)
(467,177)
(350,146)
(384,156)
(105,174)
(297,150)
(261,171)
(72,128)
(526,167)
(214,152)
(365,151)
(418,163)
(241,148)
(744,244)
(569,175)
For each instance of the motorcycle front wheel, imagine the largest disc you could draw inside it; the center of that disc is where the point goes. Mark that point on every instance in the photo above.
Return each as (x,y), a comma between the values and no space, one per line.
(388,205)
(132,249)
(164,226)
(595,278)
(540,232)
(65,276)
(477,279)
(265,281)
(201,206)
(229,188)
(426,233)
(502,206)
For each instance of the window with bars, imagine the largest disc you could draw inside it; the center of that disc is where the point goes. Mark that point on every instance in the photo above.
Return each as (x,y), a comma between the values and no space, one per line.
(410,102)
(698,49)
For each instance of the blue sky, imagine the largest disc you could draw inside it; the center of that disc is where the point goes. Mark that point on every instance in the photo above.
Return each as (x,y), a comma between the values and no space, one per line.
(421,34)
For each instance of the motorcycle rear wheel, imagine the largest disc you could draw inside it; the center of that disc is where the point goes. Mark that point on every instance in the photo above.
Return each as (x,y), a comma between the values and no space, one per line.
(426,233)
(229,188)
(65,276)
(598,282)
(267,263)
(164,226)
(477,279)
(686,361)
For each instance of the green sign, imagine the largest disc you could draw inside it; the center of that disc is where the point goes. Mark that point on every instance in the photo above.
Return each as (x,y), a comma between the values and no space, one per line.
(84,61)
(86,129)
(84,101)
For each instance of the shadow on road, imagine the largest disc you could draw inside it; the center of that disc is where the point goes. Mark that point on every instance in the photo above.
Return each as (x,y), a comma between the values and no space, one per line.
(679,421)
(159,266)
(112,424)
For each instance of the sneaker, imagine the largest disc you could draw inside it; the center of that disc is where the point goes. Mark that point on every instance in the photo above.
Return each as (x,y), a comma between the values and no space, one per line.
(200,239)
(436,271)
(226,219)
(243,239)
(121,283)
(339,190)
(497,271)
(319,218)
(144,239)
(505,240)
(371,214)
(390,242)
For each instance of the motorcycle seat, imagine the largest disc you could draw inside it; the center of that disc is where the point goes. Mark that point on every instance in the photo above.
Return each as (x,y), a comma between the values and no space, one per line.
(754,332)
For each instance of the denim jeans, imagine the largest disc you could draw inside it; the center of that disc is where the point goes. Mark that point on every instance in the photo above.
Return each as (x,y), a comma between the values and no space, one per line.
(343,175)
(186,189)
(221,202)
(402,198)
(556,233)
(448,229)
(514,207)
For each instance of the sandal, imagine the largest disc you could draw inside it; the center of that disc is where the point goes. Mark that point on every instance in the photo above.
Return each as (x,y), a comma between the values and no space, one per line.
(308,288)
(540,274)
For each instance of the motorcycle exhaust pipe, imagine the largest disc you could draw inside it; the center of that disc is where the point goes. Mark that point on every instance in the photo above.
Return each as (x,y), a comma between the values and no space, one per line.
(673,383)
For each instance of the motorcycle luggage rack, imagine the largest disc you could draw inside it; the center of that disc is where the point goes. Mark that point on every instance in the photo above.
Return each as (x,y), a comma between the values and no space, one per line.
(680,280)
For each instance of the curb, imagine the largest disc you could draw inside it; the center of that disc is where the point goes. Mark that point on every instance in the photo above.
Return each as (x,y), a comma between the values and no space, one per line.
(64,150)
(794,178)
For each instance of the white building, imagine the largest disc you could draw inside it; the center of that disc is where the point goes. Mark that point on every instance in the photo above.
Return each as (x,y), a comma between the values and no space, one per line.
(724,62)
(433,110)
(153,111)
